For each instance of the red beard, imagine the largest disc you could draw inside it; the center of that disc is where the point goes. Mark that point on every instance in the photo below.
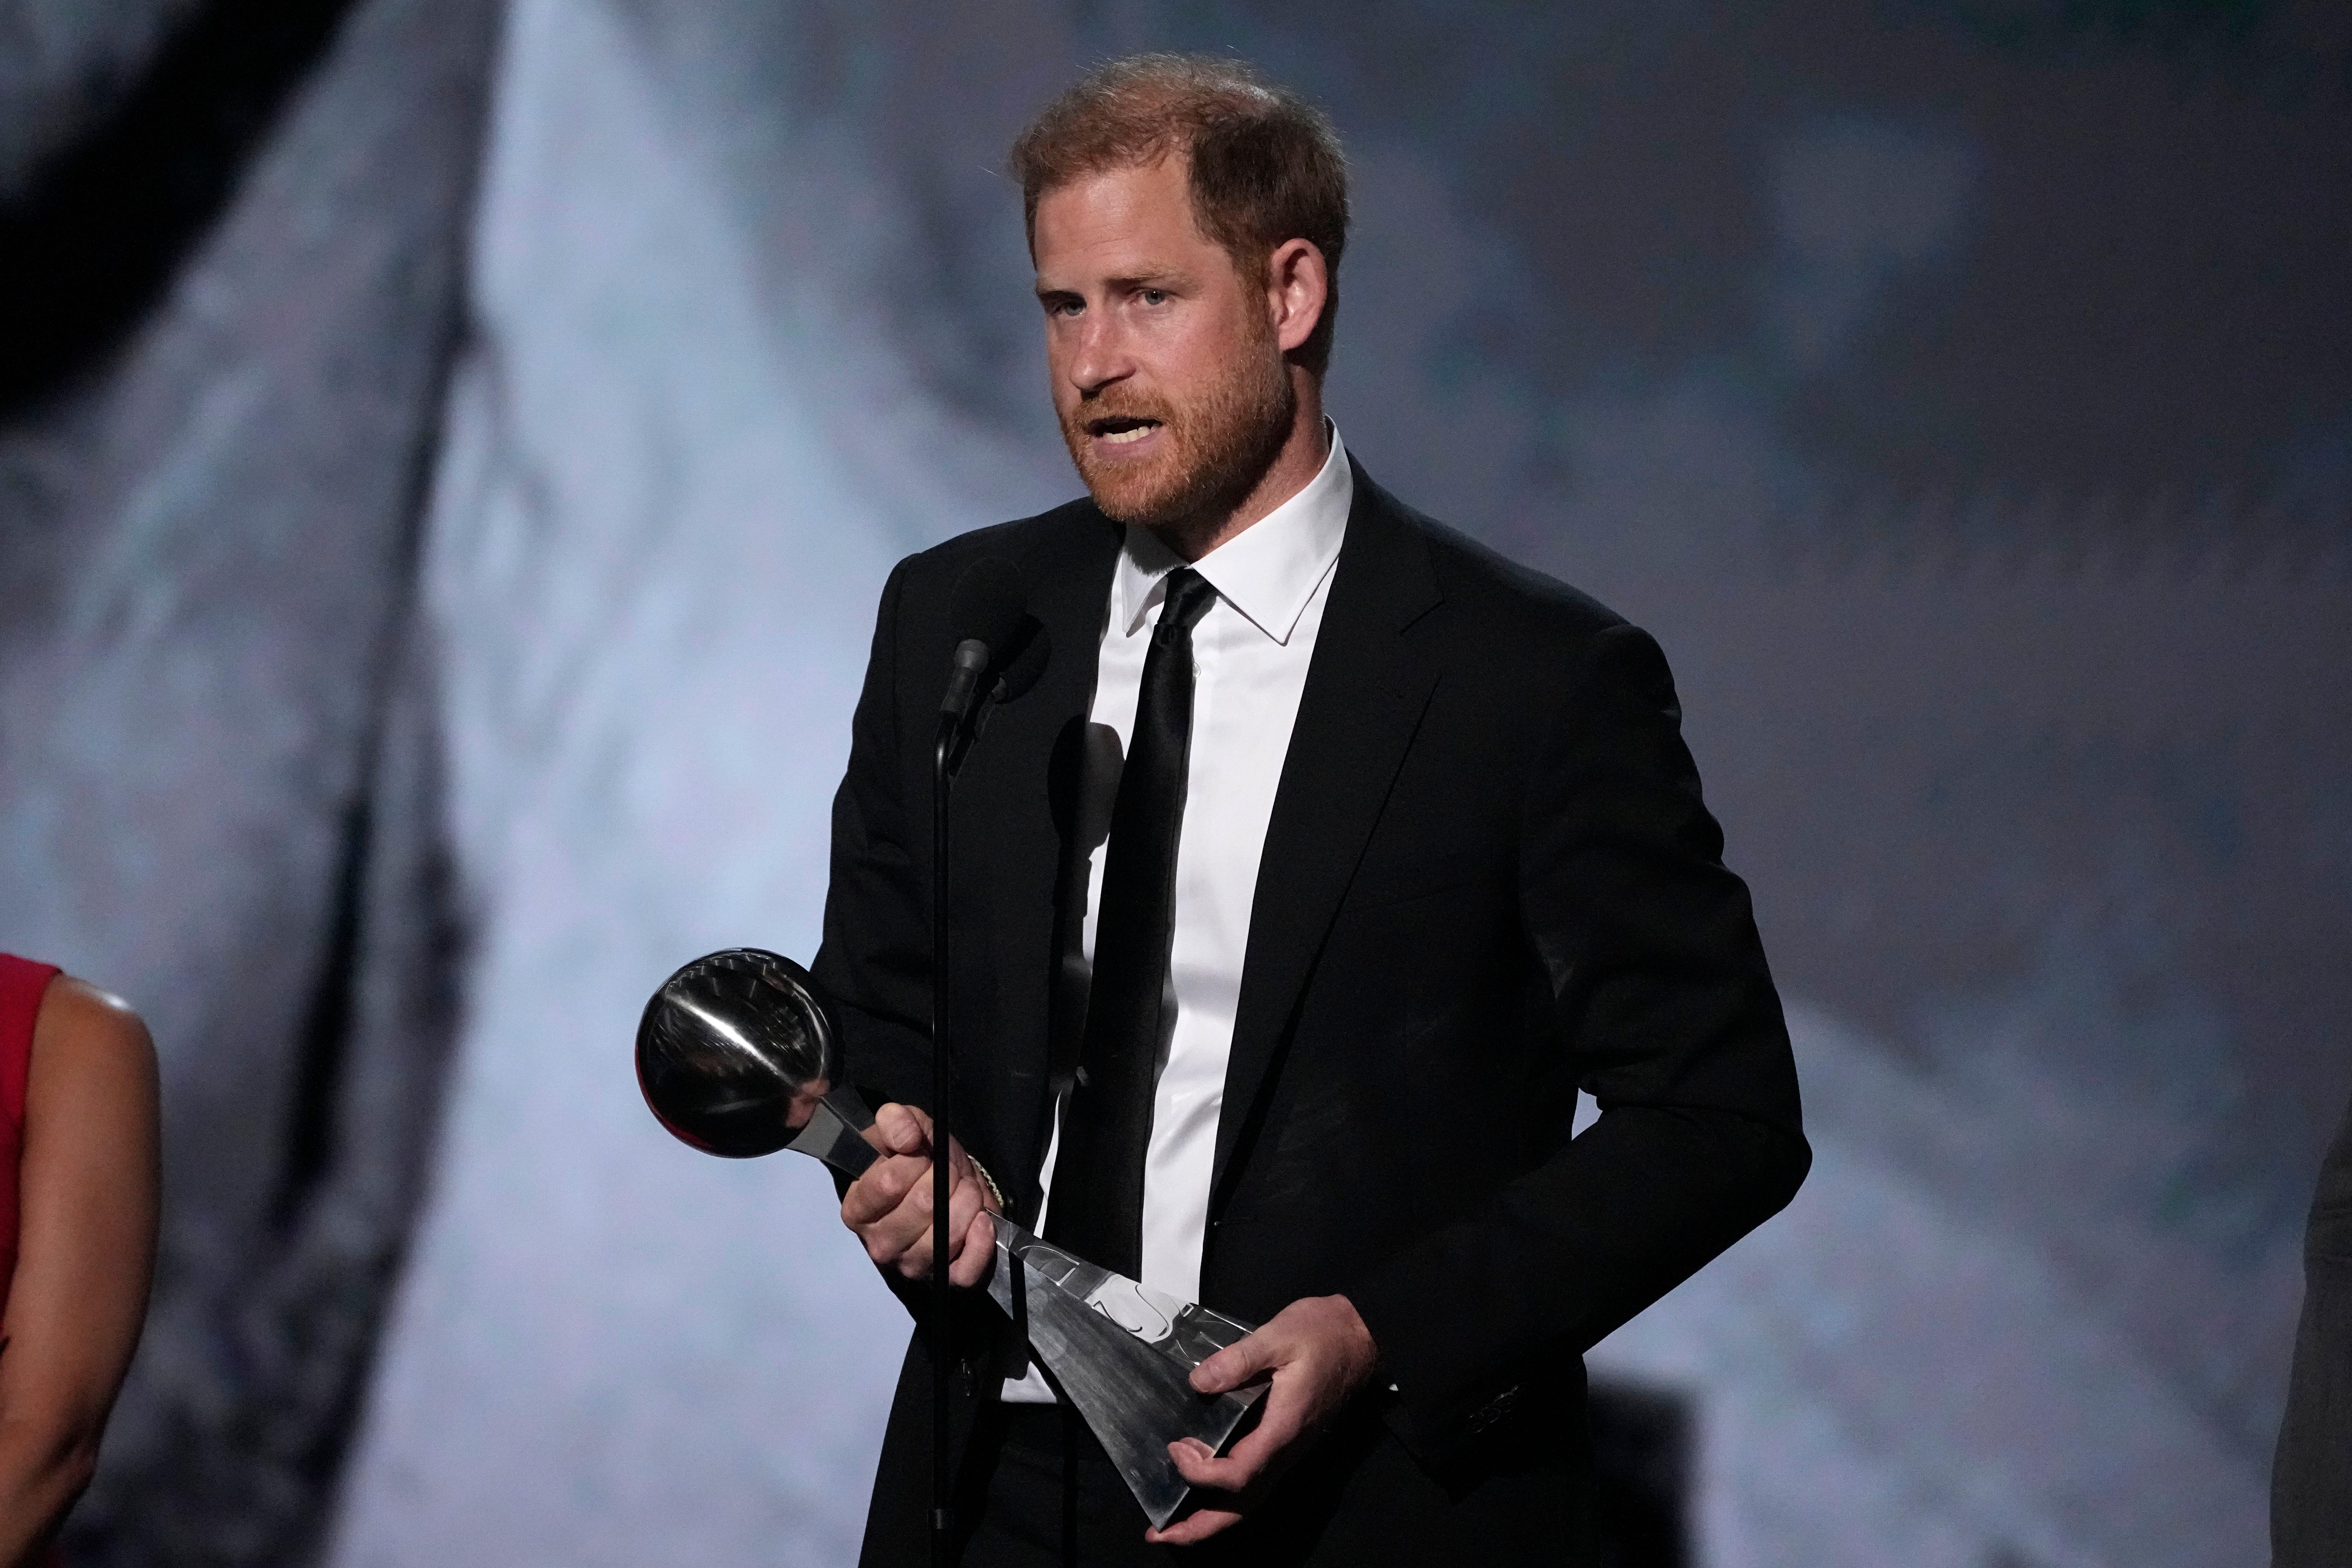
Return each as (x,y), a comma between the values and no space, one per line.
(1216,446)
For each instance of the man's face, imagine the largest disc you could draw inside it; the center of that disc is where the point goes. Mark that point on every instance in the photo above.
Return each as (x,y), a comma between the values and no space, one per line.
(1172,389)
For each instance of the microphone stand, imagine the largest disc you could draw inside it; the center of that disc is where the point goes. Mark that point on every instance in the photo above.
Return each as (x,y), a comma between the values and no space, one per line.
(943,1480)
(970,660)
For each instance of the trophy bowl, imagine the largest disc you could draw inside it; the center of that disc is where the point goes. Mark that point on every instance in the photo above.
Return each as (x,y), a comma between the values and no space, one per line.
(735,1053)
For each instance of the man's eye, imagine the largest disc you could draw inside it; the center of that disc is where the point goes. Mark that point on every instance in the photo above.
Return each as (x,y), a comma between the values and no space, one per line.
(1155,295)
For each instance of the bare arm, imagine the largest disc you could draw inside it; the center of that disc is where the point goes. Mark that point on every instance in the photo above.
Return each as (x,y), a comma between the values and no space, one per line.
(86,1253)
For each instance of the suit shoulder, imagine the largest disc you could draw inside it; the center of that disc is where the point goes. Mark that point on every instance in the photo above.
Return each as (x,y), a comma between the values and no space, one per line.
(1525,635)
(1489,590)
(1018,541)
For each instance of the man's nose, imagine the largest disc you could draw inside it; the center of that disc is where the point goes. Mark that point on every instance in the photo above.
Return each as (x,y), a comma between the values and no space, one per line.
(1102,355)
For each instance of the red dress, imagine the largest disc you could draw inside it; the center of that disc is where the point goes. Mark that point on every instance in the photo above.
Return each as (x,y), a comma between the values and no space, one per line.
(22,982)
(21,986)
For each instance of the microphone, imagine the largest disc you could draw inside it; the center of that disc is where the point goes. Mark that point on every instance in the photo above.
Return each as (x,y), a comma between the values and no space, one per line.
(985,613)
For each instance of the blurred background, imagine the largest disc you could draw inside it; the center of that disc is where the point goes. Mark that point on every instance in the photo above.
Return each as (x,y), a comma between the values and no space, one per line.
(449,453)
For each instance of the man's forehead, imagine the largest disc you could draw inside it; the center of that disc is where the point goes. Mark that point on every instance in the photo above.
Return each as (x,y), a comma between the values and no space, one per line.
(1125,211)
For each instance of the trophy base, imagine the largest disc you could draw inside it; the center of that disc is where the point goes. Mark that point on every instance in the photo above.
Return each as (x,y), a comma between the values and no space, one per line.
(1123,1355)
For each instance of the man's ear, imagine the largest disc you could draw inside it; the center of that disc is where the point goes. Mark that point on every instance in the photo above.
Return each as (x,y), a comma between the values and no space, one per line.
(1298,291)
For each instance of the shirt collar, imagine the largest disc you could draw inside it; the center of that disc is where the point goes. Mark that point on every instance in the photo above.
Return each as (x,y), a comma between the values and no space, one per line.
(1268,571)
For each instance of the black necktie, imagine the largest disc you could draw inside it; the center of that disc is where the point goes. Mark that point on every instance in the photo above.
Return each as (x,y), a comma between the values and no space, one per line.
(1098,1204)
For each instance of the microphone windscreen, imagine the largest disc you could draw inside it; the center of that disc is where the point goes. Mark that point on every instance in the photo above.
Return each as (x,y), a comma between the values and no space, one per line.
(1028,662)
(987,604)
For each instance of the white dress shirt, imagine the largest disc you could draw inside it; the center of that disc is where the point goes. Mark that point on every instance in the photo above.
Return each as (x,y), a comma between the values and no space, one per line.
(1250,654)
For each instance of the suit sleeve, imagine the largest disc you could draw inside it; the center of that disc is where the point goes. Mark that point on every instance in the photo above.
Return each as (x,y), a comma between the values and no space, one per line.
(1659,990)
(874,963)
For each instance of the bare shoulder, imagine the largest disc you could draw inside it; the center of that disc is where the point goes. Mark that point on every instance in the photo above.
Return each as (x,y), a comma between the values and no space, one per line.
(92,1031)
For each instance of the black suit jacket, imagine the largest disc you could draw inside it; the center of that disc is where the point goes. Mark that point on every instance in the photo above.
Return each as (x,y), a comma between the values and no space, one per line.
(2311,1479)
(1489,879)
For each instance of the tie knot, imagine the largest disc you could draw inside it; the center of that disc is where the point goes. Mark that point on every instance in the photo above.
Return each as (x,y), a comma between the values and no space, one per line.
(1189,598)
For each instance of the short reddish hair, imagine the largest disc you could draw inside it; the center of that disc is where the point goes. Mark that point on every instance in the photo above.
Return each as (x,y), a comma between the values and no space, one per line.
(1266,166)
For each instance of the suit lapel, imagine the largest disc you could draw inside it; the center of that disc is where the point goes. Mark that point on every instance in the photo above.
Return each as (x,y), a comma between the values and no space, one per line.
(1012,811)
(1366,690)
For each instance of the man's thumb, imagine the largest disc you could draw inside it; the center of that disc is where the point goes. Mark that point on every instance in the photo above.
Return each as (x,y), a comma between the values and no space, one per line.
(1234,1365)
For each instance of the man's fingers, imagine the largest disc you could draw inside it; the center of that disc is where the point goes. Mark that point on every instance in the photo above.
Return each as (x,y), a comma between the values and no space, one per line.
(914,1249)
(883,1188)
(964,1202)
(900,1236)
(908,1128)
(1242,1468)
(1197,1525)
(890,1206)
(1237,1363)
(1283,1421)
(914,1214)
(898,1130)
(879,1190)
(1201,1467)
(979,1251)
(1316,1353)
(1191,1454)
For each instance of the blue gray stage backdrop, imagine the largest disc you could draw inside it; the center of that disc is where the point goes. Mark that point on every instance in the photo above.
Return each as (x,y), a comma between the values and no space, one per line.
(449,453)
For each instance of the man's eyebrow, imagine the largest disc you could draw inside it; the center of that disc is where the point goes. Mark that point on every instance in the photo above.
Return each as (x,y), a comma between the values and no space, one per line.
(1165,277)
(1160,278)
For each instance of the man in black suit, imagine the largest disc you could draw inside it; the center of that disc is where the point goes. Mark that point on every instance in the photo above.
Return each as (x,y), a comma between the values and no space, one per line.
(1328,857)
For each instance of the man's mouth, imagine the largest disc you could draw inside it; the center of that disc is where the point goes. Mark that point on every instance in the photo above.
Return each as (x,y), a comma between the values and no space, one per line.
(1119,430)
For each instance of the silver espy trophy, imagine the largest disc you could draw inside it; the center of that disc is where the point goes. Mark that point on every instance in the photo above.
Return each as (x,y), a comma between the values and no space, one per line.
(738,1058)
